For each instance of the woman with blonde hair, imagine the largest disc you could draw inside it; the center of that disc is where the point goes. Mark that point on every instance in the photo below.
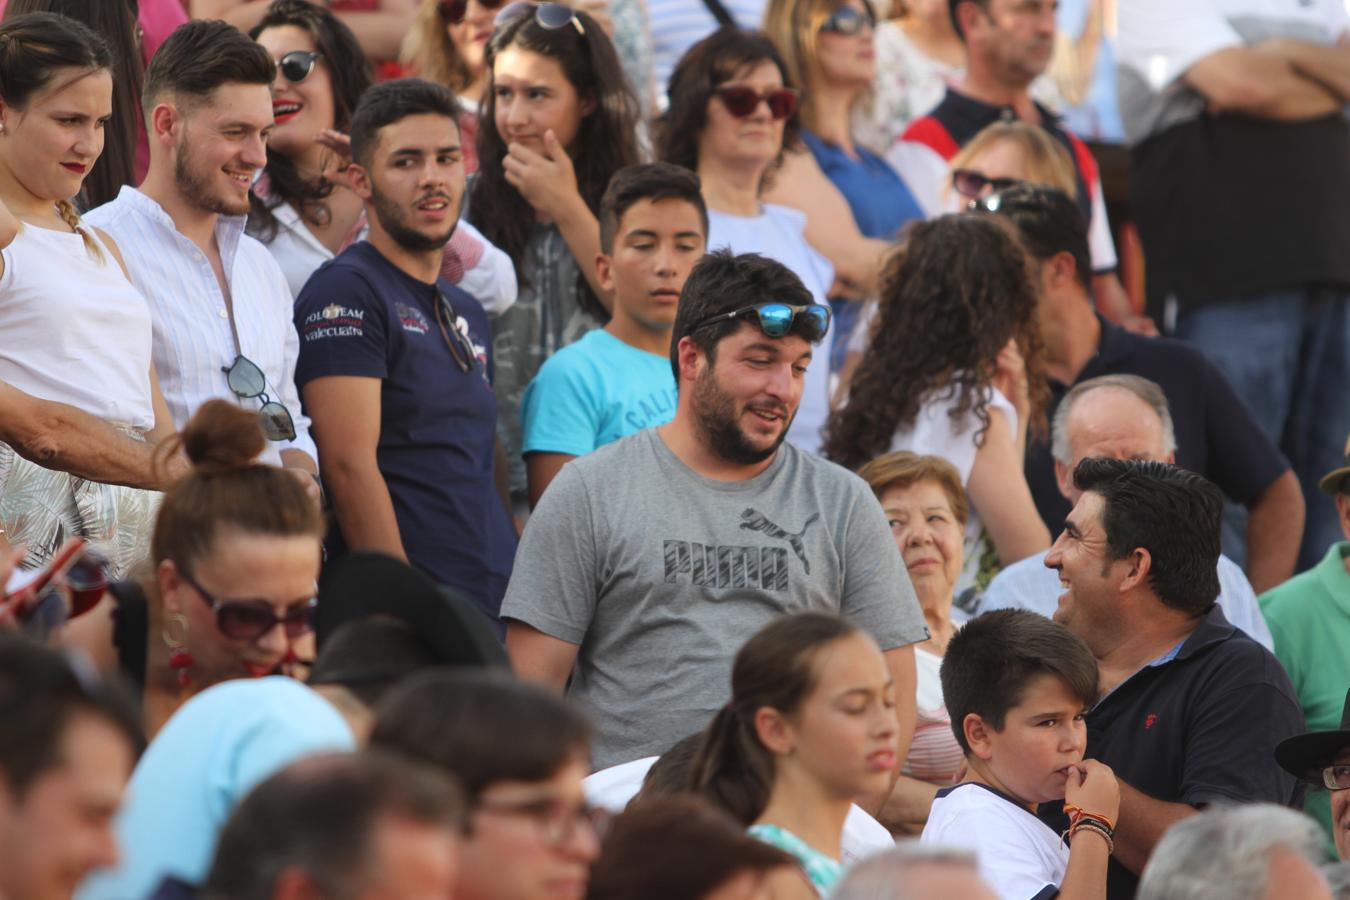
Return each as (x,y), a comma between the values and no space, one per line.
(927,510)
(447,44)
(1006,154)
(855,203)
(72,327)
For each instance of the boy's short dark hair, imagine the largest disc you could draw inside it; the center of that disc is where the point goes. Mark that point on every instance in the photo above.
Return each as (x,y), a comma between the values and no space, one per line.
(722,282)
(199,57)
(1049,223)
(1174,514)
(647,181)
(393,101)
(993,658)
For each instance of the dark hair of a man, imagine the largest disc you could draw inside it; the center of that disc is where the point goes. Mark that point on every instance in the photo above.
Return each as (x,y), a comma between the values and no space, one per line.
(201,56)
(1173,514)
(959,288)
(647,181)
(994,657)
(953,5)
(605,142)
(40,694)
(704,67)
(115,22)
(320,815)
(484,726)
(393,101)
(775,668)
(674,848)
(721,282)
(350,75)
(227,492)
(369,656)
(1049,222)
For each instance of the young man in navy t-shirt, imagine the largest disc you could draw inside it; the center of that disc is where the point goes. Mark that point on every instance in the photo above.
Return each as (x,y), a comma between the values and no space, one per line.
(395,369)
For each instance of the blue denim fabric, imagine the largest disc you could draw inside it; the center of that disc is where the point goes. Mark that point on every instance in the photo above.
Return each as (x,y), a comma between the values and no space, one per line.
(1287,354)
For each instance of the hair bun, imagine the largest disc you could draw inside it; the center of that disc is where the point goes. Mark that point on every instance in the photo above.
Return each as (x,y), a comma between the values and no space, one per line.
(222,437)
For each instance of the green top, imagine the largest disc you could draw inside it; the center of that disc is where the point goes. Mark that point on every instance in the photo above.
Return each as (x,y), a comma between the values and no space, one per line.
(821,869)
(1309,619)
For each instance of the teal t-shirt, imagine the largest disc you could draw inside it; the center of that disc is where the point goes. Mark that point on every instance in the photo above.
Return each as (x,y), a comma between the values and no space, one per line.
(594,392)
(1309,619)
(821,869)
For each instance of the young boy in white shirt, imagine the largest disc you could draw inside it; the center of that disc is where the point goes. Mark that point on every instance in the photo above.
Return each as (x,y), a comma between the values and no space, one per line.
(1017,685)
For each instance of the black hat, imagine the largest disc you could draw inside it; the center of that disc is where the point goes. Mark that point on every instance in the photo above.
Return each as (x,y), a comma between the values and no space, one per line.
(362,584)
(1303,754)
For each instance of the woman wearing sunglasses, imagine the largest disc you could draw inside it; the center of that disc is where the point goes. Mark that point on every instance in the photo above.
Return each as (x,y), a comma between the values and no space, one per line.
(732,114)
(558,120)
(231,593)
(855,203)
(954,369)
(448,45)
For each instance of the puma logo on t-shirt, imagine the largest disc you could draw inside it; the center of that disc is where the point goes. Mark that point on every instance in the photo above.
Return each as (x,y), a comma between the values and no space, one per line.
(751,520)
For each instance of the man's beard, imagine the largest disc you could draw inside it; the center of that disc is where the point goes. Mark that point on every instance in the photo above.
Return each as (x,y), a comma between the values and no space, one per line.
(715,413)
(394,222)
(196,187)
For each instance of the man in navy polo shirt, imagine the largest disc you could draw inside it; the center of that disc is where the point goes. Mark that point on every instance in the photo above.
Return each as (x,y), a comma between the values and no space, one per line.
(1190,708)
(394,367)
(1216,434)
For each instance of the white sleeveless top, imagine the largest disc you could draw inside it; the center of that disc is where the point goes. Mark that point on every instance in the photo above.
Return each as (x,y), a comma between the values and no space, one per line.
(74,329)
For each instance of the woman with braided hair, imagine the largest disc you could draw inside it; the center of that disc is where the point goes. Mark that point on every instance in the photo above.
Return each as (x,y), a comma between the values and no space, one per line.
(72,327)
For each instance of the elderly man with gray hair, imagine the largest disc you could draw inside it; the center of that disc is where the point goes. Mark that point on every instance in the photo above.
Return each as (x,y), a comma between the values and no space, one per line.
(915,871)
(1117,417)
(1259,851)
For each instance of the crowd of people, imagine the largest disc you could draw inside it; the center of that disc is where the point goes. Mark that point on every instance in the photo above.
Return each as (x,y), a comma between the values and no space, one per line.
(670,449)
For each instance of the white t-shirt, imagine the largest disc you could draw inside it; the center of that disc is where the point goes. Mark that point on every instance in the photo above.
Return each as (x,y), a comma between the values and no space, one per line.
(779,233)
(614,787)
(1017,853)
(936,433)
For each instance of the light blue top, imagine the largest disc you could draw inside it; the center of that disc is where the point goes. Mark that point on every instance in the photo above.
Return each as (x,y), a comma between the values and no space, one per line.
(594,392)
(821,869)
(1028,584)
(203,761)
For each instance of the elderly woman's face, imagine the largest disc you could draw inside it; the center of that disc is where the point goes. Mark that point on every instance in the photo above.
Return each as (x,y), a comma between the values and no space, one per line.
(929,537)
(753,139)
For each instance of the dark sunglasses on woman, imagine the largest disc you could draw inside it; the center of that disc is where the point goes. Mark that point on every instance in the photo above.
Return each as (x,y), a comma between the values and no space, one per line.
(297,64)
(549,16)
(776,319)
(453,11)
(969,183)
(847,20)
(249,620)
(742,101)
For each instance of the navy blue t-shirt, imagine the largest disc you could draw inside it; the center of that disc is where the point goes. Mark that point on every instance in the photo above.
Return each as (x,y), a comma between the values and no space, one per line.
(359,315)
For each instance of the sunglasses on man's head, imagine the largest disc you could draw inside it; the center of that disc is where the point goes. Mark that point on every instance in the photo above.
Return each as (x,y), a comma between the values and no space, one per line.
(742,101)
(453,11)
(969,183)
(296,65)
(847,20)
(249,620)
(247,381)
(549,16)
(776,320)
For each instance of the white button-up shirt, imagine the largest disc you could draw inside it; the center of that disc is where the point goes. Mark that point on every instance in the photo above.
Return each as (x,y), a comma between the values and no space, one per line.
(193,342)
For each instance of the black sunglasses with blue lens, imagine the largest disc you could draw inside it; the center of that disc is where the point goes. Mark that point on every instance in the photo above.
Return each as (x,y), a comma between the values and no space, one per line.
(777,319)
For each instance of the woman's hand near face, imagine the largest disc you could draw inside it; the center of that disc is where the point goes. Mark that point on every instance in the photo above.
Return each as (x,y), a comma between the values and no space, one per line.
(337,168)
(546,180)
(1010,378)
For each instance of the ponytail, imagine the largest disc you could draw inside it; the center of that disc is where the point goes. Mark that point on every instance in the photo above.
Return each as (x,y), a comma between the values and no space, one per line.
(71,217)
(774,669)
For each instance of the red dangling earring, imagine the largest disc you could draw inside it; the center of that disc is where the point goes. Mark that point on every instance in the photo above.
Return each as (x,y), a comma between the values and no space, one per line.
(180,660)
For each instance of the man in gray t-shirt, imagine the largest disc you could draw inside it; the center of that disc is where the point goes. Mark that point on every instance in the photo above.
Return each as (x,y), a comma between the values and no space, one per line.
(648,563)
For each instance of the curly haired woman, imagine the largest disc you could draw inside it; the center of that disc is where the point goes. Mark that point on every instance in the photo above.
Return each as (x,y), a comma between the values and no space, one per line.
(953,369)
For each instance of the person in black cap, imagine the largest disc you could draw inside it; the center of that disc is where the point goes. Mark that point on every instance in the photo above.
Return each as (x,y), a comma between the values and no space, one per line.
(1323,758)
